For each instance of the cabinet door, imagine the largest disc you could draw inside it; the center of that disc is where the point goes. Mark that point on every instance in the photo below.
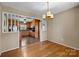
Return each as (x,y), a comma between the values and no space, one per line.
(37,28)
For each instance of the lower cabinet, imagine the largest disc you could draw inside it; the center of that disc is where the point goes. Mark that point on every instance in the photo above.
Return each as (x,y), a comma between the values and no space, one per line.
(24,33)
(32,34)
(27,33)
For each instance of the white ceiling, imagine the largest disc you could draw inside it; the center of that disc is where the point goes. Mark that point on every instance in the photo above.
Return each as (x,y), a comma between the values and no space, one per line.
(39,8)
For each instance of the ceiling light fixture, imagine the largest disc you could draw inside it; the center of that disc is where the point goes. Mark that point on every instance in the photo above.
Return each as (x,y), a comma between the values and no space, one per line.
(49,14)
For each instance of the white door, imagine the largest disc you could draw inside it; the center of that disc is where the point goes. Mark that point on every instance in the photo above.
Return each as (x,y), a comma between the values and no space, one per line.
(43,30)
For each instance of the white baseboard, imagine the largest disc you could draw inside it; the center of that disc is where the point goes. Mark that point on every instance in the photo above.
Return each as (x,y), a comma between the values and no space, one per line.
(9,50)
(65,45)
(43,40)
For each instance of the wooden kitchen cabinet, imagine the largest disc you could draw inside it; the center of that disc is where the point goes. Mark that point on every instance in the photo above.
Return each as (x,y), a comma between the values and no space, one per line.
(32,32)
(24,33)
(36,24)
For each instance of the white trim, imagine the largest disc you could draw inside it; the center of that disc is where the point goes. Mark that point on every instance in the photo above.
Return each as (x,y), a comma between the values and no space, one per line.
(65,45)
(43,40)
(19,39)
(9,50)
(9,32)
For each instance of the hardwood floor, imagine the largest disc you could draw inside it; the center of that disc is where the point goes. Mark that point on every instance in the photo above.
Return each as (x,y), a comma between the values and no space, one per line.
(29,40)
(42,49)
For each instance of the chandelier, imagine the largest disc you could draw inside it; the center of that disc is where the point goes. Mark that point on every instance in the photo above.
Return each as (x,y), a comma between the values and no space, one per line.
(49,14)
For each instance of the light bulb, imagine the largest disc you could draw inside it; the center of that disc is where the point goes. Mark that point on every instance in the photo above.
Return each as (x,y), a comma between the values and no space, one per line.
(48,13)
(52,16)
(44,16)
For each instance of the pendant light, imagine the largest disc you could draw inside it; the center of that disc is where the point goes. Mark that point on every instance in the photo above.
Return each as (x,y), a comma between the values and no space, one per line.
(49,14)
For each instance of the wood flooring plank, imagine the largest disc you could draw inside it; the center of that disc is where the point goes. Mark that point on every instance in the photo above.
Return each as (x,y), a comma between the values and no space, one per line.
(42,49)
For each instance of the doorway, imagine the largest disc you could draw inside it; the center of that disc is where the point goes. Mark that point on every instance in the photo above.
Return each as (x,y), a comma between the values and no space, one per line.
(29,32)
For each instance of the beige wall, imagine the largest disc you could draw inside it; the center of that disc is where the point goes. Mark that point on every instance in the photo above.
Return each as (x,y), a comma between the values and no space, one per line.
(9,41)
(64,28)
